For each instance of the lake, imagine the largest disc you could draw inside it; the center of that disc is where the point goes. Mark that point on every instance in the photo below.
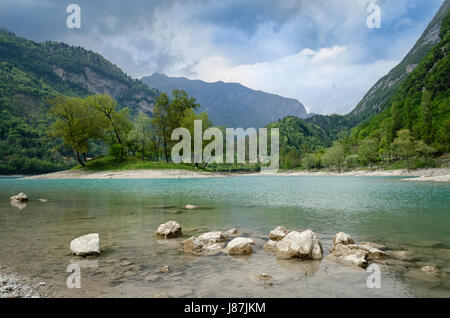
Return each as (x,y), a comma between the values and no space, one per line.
(403,215)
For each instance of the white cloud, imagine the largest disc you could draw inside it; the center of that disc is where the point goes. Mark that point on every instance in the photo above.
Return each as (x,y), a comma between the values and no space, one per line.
(325,81)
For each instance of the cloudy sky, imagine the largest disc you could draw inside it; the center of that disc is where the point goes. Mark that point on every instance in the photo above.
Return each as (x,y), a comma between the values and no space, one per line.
(320,52)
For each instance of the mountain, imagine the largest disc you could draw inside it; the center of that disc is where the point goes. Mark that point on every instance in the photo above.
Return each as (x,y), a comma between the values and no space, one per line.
(31,72)
(425,66)
(421,103)
(231,104)
(380,95)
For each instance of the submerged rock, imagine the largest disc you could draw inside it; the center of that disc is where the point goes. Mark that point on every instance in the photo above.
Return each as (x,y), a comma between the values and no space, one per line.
(43,200)
(86,245)
(170,229)
(304,245)
(22,197)
(240,246)
(429,269)
(163,269)
(374,245)
(231,232)
(343,238)
(401,255)
(278,233)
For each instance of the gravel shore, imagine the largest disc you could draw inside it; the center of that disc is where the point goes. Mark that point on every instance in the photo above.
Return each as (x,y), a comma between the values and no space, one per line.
(13,285)
(436,174)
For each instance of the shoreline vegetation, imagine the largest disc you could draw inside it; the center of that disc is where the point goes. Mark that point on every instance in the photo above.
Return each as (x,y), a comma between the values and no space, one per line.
(171,171)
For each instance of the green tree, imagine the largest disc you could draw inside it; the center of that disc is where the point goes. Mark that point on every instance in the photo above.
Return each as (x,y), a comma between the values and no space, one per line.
(409,113)
(426,119)
(425,151)
(169,114)
(311,161)
(76,123)
(352,161)
(368,151)
(160,120)
(395,119)
(334,156)
(117,124)
(188,122)
(404,145)
(141,133)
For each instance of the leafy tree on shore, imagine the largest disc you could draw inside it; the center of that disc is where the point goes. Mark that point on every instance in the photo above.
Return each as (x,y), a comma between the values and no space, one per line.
(368,152)
(426,119)
(168,114)
(404,146)
(424,150)
(311,161)
(334,156)
(76,123)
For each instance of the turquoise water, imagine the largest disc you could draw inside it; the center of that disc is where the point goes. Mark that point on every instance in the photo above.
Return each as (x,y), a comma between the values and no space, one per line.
(403,215)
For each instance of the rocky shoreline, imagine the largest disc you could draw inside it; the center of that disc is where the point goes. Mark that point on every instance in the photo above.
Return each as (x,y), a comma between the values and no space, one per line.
(14,285)
(434,174)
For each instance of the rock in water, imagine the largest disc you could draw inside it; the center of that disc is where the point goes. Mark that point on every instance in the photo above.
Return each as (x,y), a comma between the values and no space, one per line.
(429,269)
(190,207)
(205,244)
(212,237)
(304,245)
(231,232)
(278,233)
(240,246)
(343,238)
(86,245)
(170,229)
(349,256)
(374,253)
(270,245)
(22,197)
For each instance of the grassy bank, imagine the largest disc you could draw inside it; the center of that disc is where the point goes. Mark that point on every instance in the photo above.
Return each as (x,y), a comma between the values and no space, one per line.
(131,163)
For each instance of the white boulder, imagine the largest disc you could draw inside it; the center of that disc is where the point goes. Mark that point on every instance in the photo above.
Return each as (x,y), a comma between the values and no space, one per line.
(240,246)
(349,256)
(278,233)
(19,197)
(206,244)
(212,237)
(86,245)
(170,229)
(343,238)
(304,245)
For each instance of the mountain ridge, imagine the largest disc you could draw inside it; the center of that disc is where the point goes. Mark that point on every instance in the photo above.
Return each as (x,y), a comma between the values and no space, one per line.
(248,107)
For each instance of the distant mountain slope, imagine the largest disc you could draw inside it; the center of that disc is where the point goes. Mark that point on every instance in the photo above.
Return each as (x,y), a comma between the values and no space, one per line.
(231,104)
(30,72)
(426,65)
(379,96)
(407,110)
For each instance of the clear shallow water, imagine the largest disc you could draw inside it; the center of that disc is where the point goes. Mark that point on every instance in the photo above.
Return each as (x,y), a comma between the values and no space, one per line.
(413,216)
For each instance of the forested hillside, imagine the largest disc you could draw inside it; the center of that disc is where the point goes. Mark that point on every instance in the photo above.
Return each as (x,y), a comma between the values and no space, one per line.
(29,73)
